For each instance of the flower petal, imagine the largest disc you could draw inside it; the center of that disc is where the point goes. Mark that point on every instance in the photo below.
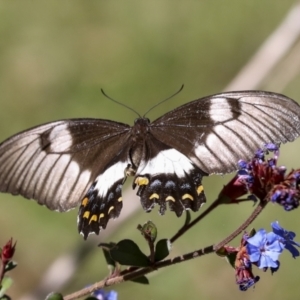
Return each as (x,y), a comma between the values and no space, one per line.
(258,239)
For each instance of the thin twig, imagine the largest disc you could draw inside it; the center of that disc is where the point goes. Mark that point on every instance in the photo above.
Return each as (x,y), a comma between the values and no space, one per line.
(185,227)
(252,217)
(139,272)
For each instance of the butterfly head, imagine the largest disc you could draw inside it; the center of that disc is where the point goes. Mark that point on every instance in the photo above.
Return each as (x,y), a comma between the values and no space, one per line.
(140,128)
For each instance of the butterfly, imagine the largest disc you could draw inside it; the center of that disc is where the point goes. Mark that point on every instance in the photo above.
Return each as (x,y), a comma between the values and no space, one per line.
(85,162)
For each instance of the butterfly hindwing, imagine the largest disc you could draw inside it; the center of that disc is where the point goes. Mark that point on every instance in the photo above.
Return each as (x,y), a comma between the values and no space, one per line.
(103,201)
(167,176)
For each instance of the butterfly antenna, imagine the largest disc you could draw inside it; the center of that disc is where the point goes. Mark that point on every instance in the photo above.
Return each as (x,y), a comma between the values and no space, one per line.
(120,103)
(164,100)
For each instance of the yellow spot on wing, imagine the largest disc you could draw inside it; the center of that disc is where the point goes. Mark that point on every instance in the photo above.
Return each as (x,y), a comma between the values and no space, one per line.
(170,198)
(85,201)
(120,199)
(200,189)
(93,218)
(141,181)
(110,209)
(154,196)
(187,196)
(86,215)
(101,216)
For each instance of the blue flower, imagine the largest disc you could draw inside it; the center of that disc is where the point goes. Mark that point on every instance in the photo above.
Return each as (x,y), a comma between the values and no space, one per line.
(242,164)
(244,286)
(260,154)
(264,249)
(296,176)
(286,197)
(271,147)
(287,238)
(102,295)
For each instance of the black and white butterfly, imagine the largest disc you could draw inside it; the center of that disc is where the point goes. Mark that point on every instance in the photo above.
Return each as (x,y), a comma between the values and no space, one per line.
(85,162)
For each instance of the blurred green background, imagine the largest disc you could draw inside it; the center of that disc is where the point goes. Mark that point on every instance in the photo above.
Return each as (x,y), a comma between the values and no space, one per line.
(54,58)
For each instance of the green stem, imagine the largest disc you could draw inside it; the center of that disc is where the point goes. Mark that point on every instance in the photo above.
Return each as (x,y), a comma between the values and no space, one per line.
(139,272)
(252,217)
(185,227)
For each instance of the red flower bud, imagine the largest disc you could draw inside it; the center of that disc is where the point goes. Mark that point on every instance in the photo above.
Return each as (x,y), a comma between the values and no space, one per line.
(233,190)
(8,251)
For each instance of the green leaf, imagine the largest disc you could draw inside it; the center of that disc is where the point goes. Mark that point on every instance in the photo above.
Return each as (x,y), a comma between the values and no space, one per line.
(162,249)
(231,258)
(127,252)
(187,218)
(106,251)
(5,297)
(11,265)
(223,199)
(252,232)
(107,246)
(55,296)
(222,252)
(5,285)
(142,280)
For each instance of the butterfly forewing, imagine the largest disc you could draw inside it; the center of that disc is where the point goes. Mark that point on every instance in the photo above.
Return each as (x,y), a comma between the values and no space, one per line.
(216,131)
(56,163)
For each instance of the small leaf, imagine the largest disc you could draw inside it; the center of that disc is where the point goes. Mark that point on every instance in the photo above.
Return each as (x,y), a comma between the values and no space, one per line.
(222,252)
(5,297)
(142,280)
(55,296)
(229,253)
(224,199)
(187,218)
(127,252)
(11,265)
(252,232)
(162,249)
(5,285)
(107,246)
(231,258)
(106,251)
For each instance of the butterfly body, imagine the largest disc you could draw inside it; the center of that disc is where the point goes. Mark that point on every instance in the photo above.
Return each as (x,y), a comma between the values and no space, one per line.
(85,162)
(162,174)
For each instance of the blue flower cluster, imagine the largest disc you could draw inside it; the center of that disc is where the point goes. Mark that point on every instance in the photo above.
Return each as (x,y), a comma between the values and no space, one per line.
(264,179)
(263,250)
